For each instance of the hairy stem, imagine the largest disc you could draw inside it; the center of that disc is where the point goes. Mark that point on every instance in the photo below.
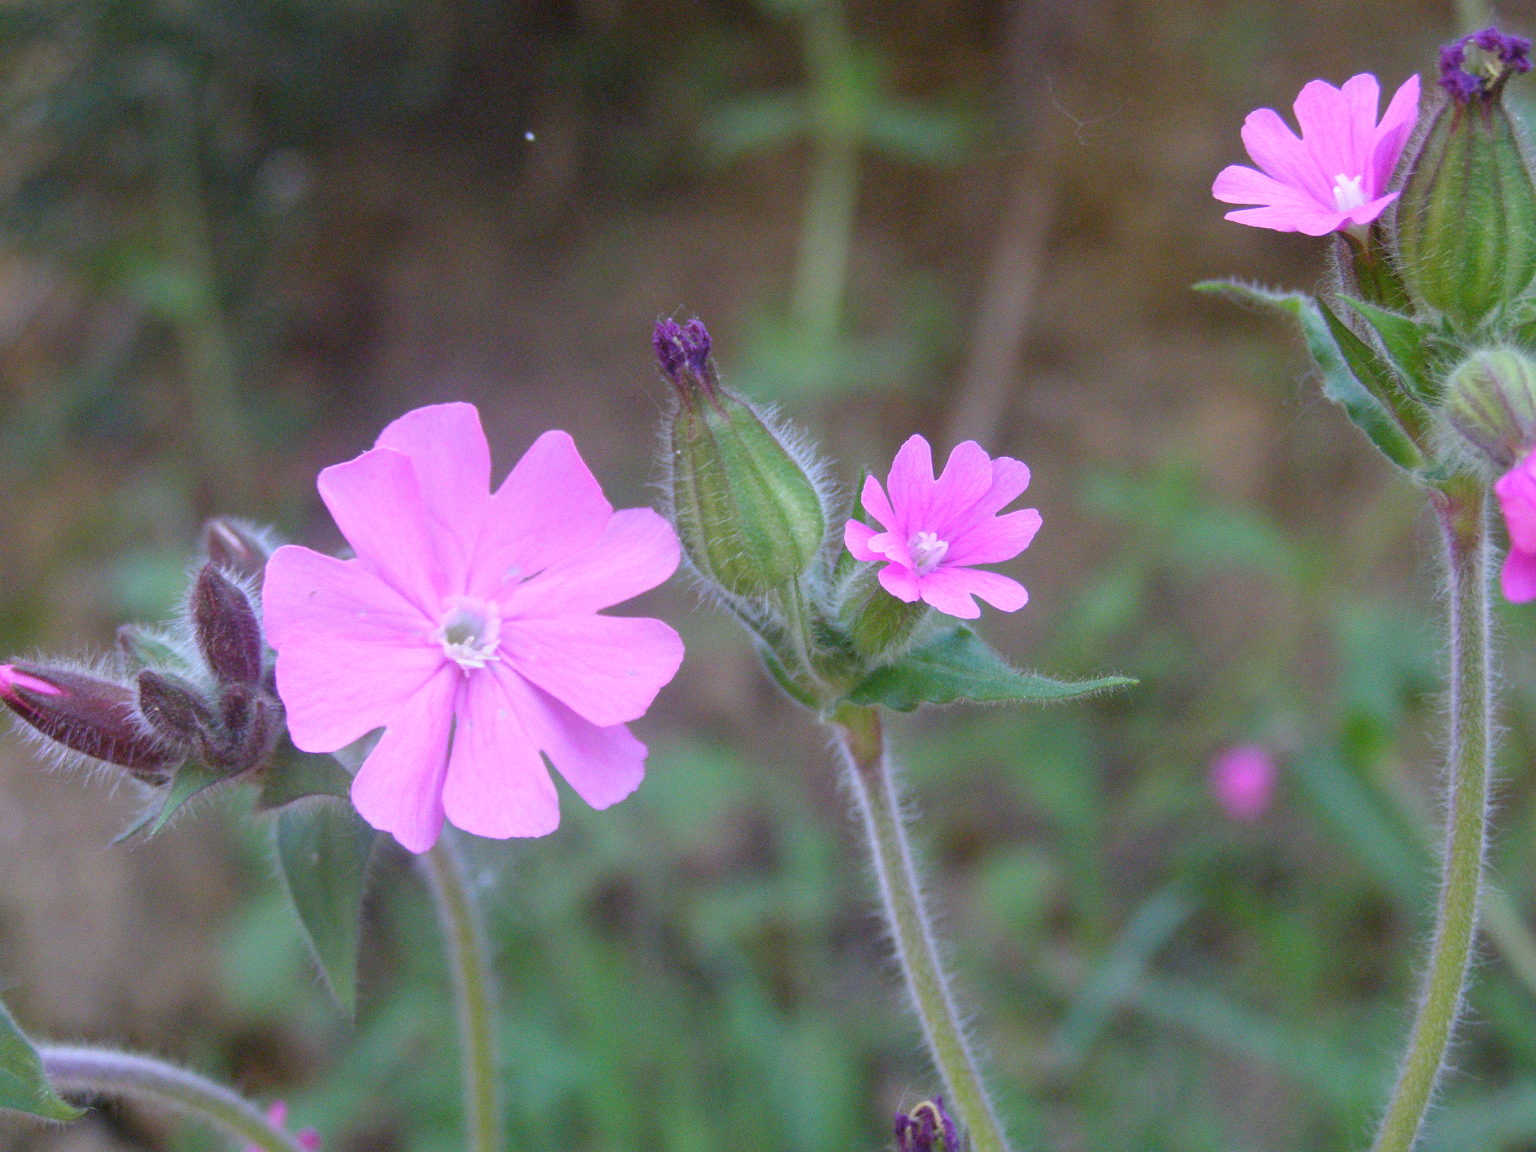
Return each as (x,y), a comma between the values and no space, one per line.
(1464,521)
(873,784)
(464,942)
(100,1070)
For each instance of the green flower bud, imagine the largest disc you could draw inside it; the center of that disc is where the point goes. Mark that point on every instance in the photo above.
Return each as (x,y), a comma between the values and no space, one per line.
(1466,219)
(880,626)
(1490,399)
(747,511)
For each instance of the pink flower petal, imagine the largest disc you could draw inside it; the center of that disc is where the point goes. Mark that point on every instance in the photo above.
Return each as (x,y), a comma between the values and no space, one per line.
(1516,490)
(1279,153)
(900,582)
(377,504)
(910,485)
(452,464)
(399,788)
(607,669)
(966,481)
(995,540)
(1009,479)
(548,509)
(1328,128)
(877,505)
(350,647)
(1392,133)
(1308,221)
(1518,578)
(497,784)
(856,537)
(637,551)
(951,589)
(602,765)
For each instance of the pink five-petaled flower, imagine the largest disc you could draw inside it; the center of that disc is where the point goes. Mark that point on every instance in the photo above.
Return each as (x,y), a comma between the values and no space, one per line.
(468,629)
(1516,490)
(1335,177)
(936,529)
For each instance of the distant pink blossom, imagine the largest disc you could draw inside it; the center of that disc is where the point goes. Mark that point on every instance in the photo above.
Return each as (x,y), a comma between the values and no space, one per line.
(468,628)
(936,529)
(277,1116)
(1243,780)
(1516,490)
(1335,176)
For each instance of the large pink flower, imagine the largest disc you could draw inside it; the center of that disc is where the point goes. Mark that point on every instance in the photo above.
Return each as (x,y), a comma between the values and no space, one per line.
(468,629)
(936,529)
(1516,490)
(1335,176)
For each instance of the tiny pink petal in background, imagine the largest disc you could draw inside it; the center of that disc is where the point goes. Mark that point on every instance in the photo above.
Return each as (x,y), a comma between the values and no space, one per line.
(1242,780)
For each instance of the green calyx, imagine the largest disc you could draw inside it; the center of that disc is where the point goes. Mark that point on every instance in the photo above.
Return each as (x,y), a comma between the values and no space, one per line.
(1490,401)
(1466,219)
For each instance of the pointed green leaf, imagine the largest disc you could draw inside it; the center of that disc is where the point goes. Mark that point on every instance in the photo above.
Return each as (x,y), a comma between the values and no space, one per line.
(1340,384)
(191,778)
(1381,380)
(1407,343)
(299,774)
(960,666)
(22,1083)
(323,849)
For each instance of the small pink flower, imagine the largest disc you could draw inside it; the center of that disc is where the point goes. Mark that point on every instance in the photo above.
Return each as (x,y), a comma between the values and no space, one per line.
(277,1116)
(468,628)
(1516,490)
(1334,177)
(1243,781)
(936,529)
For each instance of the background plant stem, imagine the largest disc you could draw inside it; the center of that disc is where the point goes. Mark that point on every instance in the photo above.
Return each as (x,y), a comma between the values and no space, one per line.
(464,943)
(1462,513)
(870,777)
(102,1070)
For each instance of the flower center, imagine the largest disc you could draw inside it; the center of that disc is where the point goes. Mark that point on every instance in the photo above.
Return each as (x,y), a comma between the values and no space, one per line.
(469,631)
(1347,193)
(926,550)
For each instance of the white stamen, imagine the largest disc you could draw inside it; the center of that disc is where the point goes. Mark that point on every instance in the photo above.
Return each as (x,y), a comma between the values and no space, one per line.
(1347,193)
(469,631)
(926,550)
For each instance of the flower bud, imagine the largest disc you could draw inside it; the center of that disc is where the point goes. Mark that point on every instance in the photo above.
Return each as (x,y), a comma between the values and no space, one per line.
(1490,399)
(172,707)
(927,1128)
(228,633)
(880,626)
(89,715)
(747,512)
(1466,219)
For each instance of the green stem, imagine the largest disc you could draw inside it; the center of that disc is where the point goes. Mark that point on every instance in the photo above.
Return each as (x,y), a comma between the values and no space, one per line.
(1464,520)
(872,780)
(464,942)
(101,1070)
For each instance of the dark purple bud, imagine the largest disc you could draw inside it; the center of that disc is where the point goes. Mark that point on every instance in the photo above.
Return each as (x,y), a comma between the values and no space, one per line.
(683,353)
(1477,65)
(927,1128)
(98,718)
(228,634)
(236,547)
(172,708)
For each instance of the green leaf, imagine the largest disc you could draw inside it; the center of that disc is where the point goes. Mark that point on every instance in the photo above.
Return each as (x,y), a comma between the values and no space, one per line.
(191,778)
(299,774)
(22,1083)
(754,124)
(1340,384)
(960,666)
(918,134)
(1407,343)
(1381,381)
(323,849)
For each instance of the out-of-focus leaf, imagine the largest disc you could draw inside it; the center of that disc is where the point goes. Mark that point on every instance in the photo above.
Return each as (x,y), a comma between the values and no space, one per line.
(23,1086)
(323,849)
(753,124)
(299,774)
(916,134)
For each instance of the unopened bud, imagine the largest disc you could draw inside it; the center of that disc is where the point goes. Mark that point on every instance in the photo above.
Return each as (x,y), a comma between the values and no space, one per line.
(228,633)
(89,715)
(237,547)
(1490,399)
(171,707)
(1466,219)
(927,1128)
(746,510)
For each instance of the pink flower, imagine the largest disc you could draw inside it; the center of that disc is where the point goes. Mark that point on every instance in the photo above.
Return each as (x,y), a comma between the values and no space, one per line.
(468,629)
(1516,490)
(277,1116)
(1243,781)
(936,529)
(1335,176)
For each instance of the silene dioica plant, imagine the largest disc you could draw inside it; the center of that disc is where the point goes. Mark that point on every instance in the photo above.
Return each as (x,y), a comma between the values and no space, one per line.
(433,676)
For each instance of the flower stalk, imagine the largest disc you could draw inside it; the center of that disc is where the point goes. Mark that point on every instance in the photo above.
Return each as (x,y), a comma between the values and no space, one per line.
(469,961)
(104,1071)
(1463,517)
(871,779)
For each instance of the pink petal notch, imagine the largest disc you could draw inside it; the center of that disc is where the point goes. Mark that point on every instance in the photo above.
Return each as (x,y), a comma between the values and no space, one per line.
(936,530)
(468,629)
(1334,176)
